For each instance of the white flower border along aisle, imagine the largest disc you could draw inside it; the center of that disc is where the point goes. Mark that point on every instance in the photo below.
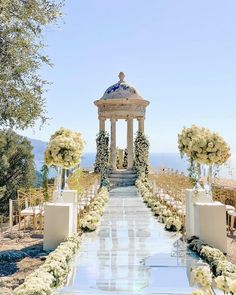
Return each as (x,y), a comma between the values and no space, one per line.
(53,273)
(90,220)
(204,279)
(172,222)
(217,261)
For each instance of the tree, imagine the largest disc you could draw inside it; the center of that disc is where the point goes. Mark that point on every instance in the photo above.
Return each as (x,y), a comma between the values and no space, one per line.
(16,166)
(21,56)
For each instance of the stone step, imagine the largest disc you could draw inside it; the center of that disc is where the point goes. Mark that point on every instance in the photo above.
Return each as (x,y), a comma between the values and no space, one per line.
(121,171)
(121,176)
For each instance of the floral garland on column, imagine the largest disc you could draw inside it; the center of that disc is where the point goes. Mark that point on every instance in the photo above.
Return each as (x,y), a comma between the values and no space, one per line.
(202,147)
(125,159)
(102,157)
(141,151)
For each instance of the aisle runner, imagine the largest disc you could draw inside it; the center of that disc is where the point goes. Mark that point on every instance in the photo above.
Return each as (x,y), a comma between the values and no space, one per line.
(131,253)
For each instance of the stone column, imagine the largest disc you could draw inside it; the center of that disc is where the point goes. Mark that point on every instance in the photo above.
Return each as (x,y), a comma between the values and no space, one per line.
(141,124)
(130,142)
(113,143)
(102,124)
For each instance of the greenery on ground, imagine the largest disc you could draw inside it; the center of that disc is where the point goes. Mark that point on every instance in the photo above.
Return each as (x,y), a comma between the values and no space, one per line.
(21,57)
(17,166)
(141,160)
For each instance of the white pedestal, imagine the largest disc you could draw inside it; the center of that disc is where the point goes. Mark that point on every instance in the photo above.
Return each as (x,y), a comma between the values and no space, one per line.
(58,224)
(70,196)
(192,196)
(210,224)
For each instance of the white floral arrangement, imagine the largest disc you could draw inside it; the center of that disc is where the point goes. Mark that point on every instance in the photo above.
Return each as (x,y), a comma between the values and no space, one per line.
(223,270)
(53,272)
(202,276)
(173,223)
(91,219)
(158,211)
(203,146)
(164,214)
(225,267)
(226,284)
(76,136)
(211,254)
(64,149)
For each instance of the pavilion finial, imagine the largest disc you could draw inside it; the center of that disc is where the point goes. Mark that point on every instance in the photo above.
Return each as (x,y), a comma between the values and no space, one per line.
(121,76)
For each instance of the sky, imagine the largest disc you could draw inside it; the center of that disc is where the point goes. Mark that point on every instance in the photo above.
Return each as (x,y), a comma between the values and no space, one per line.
(179,54)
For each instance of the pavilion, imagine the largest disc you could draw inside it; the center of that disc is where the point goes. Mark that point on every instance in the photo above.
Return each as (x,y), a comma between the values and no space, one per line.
(121,101)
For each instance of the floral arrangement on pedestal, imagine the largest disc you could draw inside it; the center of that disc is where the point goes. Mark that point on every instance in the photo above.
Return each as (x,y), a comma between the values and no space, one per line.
(102,157)
(202,147)
(64,151)
(141,153)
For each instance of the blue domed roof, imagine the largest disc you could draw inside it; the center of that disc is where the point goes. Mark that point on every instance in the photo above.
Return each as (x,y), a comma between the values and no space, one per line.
(120,90)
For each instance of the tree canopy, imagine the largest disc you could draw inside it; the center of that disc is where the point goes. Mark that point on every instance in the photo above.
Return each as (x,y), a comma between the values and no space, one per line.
(17,166)
(21,56)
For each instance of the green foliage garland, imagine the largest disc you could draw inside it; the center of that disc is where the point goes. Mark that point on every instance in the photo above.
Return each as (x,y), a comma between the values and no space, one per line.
(125,160)
(141,146)
(102,158)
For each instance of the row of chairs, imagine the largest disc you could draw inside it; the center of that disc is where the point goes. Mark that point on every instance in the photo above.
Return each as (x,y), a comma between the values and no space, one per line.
(171,190)
(28,209)
(30,206)
(174,204)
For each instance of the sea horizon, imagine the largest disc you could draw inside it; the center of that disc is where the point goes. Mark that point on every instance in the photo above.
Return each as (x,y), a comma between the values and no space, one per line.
(168,160)
(156,161)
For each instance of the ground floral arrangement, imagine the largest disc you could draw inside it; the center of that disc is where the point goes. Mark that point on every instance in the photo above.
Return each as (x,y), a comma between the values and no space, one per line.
(219,272)
(53,272)
(164,215)
(91,218)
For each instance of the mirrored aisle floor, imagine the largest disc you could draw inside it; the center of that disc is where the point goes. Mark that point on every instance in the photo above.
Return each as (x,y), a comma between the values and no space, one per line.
(131,253)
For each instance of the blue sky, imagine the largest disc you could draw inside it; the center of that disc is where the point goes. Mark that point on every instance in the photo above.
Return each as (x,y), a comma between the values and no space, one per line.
(180,55)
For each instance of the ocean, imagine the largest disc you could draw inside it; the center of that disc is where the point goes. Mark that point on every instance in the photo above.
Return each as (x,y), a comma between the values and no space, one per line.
(168,160)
